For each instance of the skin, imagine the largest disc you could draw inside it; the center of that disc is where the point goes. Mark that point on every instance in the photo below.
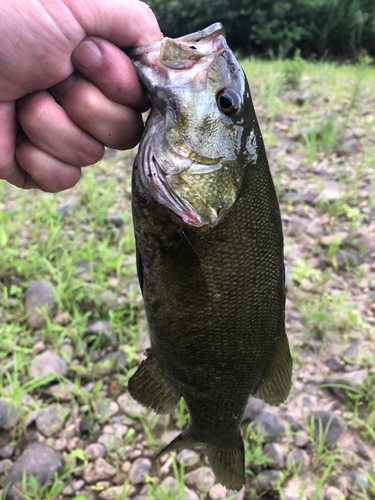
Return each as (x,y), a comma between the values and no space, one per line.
(66,88)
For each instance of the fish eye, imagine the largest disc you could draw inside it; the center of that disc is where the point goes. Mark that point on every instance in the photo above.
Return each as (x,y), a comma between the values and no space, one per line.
(228,101)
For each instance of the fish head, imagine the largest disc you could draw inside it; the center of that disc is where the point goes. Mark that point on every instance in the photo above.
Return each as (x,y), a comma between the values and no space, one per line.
(196,146)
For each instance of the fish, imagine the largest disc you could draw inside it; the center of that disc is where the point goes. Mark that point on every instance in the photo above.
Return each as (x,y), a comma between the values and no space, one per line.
(209,249)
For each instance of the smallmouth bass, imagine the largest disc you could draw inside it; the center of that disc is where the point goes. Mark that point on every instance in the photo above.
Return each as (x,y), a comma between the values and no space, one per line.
(209,248)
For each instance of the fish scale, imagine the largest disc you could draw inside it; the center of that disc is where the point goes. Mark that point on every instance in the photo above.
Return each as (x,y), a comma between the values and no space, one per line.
(213,283)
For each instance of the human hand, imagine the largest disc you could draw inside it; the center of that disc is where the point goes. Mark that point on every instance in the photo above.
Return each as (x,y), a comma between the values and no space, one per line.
(47,136)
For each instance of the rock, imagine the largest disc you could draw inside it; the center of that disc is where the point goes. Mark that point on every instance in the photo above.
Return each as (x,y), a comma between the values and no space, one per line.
(101,328)
(5,466)
(94,451)
(253,408)
(342,384)
(349,147)
(37,459)
(9,415)
(324,420)
(99,470)
(202,479)
(299,460)
(49,421)
(139,470)
(267,480)
(62,391)
(335,364)
(333,493)
(169,436)
(350,352)
(269,425)
(130,406)
(362,449)
(358,484)
(66,205)
(218,492)
(275,452)
(7,450)
(48,363)
(116,492)
(189,457)
(39,303)
(236,495)
(108,299)
(112,435)
(334,190)
(62,318)
(170,485)
(336,239)
(115,219)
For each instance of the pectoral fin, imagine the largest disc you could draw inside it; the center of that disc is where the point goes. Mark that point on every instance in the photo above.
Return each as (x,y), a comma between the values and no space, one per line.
(151,388)
(276,386)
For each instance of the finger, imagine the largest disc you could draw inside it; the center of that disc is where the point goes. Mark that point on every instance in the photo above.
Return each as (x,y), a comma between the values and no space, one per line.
(9,169)
(126,23)
(111,70)
(50,129)
(115,125)
(44,171)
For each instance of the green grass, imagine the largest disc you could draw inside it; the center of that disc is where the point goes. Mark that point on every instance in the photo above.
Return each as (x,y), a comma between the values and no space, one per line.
(305,110)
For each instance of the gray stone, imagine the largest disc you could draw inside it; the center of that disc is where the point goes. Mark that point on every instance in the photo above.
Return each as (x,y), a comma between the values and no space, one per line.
(48,363)
(269,425)
(333,493)
(189,457)
(358,483)
(253,408)
(202,479)
(5,466)
(170,484)
(267,480)
(37,459)
(99,470)
(350,352)
(324,420)
(101,327)
(66,205)
(108,299)
(275,453)
(218,492)
(299,460)
(39,303)
(362,449)
(139,470)
(334,190)
(335,364)
(348,382)
(130,406)
(115,219)
(7,450)
(9,415)
(116,492)
(49,421)
(94,451)
(348,147)
(112,435)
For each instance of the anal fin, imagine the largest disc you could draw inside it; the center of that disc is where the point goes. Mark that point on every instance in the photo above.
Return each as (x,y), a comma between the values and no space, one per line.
(151,388)
(276,386)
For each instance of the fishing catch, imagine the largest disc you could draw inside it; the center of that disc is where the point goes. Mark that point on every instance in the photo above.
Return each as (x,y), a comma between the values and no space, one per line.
(209,248)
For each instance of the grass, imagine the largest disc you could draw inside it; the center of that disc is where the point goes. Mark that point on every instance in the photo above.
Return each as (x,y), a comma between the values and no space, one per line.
(305,111)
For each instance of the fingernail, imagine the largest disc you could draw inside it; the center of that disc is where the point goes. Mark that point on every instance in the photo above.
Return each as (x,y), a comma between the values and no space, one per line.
(87,55)
(63,86)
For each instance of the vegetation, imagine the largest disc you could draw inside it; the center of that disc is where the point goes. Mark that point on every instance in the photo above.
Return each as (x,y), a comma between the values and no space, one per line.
(316,27)
(306,110)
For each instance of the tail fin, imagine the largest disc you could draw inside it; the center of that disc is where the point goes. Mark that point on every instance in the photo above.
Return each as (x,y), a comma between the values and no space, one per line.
(228,464)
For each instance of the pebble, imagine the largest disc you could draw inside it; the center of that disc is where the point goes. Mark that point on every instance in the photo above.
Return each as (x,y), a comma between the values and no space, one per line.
(170,484)
(62,391)
(334,190)
(94,451)
(5,465)
(100,328)
(189,457)
(7,450)
(342,384)
(139,470)
(350,352)
(130,406)
(253,408)
(202,479)
(269,425)
(99,470)
(112,435)
(37,459)
(218,492)
(299,460)
(39,302)
(333,493)
(275,452)
(267,480)
(358,484)
(349,147)
(48,363)
(116,492)
(322,419)
(8,415)
(335,364)
(115,219)
(66,205)
(49,421)
(362,449)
